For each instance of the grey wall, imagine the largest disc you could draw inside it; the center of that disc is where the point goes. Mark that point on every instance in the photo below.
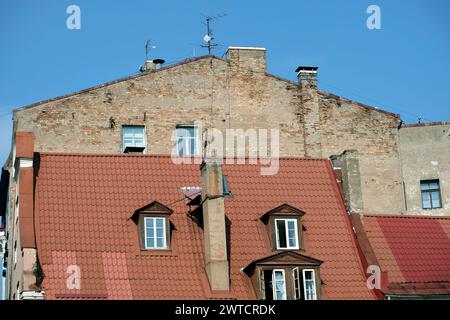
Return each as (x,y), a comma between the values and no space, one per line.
(425,155)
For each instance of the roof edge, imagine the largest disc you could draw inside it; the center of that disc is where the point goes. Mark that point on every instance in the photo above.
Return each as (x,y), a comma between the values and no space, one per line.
(406,216)
(105,84)
(362,105)
(159,156)
(429,124)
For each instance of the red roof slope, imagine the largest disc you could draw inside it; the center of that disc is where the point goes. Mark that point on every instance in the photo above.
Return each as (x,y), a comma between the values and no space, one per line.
(83,203)
(412,250)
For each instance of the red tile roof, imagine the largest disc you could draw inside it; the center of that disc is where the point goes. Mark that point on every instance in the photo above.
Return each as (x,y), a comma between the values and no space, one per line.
(415,251)
(83,203)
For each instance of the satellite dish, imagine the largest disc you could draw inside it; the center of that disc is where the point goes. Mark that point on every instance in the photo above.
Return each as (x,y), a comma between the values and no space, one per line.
(207,38)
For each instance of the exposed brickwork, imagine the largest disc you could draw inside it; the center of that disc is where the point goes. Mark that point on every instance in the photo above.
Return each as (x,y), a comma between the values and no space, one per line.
(233,93)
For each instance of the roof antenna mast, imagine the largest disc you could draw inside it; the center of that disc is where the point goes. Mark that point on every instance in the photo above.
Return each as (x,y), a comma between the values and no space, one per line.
(208,38)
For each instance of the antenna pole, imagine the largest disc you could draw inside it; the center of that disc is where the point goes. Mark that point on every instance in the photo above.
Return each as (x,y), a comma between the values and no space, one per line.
(208,19)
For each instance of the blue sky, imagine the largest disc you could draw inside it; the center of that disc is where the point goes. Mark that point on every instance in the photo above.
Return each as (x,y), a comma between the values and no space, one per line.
(403,68)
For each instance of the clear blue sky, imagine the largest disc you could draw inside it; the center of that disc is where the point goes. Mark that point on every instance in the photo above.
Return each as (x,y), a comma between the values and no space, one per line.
(403,68)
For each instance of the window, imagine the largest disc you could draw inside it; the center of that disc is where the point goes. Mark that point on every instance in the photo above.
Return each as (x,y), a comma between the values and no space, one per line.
(133,137)
(309,284)
(226,187)
(288,283)
(297,284)
(431,195)
(155,233)
(279,285)
(286,233)
(187,140)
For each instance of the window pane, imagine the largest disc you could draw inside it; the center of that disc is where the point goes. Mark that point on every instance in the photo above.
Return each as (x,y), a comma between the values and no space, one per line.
(149,222)
(159,223)
(280,293)
(426,203)
(160,232)
(297,289)
(160,242)
(436,199)
(193,147)
(291,234)
(281,230)
(150,233)
(150,243)
(310,287)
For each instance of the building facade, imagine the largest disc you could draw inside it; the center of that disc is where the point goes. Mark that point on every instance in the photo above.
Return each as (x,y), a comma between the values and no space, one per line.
(384,167)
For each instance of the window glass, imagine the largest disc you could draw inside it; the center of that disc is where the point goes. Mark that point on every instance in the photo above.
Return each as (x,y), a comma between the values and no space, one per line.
(155,233)
(309,284)
(297,286)
(279,285)
(286,232)
(187,140)
(431,196)
(281,230)
(133,136)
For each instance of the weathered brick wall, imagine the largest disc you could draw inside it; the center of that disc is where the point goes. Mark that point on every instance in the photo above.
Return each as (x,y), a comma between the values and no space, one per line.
(425,155)
(233,93)
(216,96)
(346,125)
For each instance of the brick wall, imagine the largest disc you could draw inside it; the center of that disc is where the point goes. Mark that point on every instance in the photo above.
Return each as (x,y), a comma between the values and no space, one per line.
(232,93)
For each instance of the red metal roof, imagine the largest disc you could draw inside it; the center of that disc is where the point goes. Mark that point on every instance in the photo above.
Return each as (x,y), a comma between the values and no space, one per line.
(415,251)
(83,203)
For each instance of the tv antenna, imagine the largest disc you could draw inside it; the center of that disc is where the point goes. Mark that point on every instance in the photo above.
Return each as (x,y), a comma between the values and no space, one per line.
(148,48)
(208,38)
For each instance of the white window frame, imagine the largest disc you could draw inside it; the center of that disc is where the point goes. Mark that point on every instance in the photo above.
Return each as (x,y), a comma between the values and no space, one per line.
(144,136)
(274,289)
(195,140)
(155,234)
(314,283)
(288,247)
(297,283)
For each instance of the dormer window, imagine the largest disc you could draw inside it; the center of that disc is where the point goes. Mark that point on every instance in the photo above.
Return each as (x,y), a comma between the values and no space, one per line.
(155,233)
(154,226)
(286,276)
(286,234)
(284,227)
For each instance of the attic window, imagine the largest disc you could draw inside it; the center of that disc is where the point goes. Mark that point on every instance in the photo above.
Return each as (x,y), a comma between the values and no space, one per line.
(285,227)
(154,226)
(155,233)
(286,276)
(286,234)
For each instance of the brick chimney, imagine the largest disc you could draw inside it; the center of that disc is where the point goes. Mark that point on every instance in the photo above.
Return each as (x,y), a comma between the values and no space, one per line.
(216,259)
(307,76)
(351,180)
(248,60)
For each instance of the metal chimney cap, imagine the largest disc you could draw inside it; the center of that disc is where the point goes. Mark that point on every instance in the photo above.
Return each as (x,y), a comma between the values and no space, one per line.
(304,68)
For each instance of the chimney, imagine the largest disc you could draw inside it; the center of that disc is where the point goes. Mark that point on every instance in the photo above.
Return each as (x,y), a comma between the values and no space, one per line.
(307,76)
(152,65)
(248,60)
(216,258)
(351,181)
